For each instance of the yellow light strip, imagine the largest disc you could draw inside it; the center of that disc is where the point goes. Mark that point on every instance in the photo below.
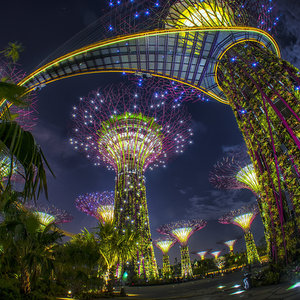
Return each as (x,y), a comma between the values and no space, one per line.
(234,44)
(118,39)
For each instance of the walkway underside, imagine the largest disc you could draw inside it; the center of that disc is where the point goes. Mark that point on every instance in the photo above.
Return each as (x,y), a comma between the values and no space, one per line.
(189,56)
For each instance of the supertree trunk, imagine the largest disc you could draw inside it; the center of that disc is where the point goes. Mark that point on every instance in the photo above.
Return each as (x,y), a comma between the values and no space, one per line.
(186,268)
(252,254)
(131,208)
(166,270)
(263,91)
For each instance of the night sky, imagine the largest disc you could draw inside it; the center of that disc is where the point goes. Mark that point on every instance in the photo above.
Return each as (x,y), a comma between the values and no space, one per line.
(179,191)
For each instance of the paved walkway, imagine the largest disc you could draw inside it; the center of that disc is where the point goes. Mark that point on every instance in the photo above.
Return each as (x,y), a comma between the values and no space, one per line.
(209,289)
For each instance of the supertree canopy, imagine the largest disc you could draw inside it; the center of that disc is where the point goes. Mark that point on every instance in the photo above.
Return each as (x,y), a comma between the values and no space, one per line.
(216,253)
(243,218)
(182,231)
(165,244)
(49,214)
(98,205)
(234,172)
(230,245)
(130,129)
(201,254)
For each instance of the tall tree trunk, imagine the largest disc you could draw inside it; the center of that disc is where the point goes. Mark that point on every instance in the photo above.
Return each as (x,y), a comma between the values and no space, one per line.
(25,281)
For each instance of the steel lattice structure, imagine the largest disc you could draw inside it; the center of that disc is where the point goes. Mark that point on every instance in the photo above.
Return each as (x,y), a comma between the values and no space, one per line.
(224,49)
(130,129)
(165,244)
(182,231)
(97,205)
(243,218)
(235,172)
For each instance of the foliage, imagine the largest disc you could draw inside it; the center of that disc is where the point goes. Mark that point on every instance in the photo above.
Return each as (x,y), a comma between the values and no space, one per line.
(77,263)
(27,247)
(17,143)
(115,247)
(9,289)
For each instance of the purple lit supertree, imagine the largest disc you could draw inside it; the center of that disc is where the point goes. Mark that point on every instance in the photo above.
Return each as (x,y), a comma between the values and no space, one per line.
(165,244)
(129,129)
(10,72)
(98,205)
(182,231)
(49,214)
(243,218)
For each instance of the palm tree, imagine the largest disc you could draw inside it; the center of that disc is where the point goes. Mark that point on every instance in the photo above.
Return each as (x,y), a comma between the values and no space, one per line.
(16,143)
(115,248)
(13,51)
(27,247)
(77,262)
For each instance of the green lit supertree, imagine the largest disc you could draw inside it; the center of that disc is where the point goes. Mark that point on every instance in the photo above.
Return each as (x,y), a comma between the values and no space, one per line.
(243,218)
(215,254)
(98,205)
(236,172)
(48,215)
(130,130)
(165,244)
(230,245)
(226,51)
(201,254)
(182,231)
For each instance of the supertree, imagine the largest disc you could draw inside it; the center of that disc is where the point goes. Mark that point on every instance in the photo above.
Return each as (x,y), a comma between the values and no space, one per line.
(165,244)
(216,253)
(182,231)
(235,171)
(129,130)
(230,245)
(49,214)
(201,254)
(243,218)
(98,205)
(224,49)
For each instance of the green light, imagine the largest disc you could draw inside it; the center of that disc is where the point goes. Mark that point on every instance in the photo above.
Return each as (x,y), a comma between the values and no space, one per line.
(182,234)
(294,286)
(248,176)
(44,218)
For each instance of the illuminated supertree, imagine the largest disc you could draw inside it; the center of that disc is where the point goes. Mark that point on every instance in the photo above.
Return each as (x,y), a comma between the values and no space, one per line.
(165,244)
(216,253)
(182,231)
(225,50)
(49,214)
(129,129)
(201,254)
(230,245)
(98,205)
(243,218)
(236,172)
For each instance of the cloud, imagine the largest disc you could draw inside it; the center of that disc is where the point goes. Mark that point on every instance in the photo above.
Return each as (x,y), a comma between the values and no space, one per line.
(213,203)
(199,127)
(288,30)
